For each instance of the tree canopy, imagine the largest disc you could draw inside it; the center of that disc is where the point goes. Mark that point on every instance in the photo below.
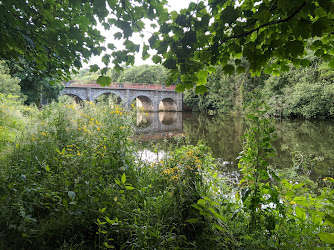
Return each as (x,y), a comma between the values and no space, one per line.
(57,36)
(269,34)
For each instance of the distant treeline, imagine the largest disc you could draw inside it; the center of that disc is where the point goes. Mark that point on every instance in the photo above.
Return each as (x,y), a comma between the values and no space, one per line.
(298,92)
(148,74)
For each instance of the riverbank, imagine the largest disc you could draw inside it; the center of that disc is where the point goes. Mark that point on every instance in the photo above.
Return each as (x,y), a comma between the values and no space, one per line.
(70,179)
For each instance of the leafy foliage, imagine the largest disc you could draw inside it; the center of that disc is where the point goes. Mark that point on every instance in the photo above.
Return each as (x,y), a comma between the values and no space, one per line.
(8,84)
(56,37)
(35,87)
(303,92)
(213,33)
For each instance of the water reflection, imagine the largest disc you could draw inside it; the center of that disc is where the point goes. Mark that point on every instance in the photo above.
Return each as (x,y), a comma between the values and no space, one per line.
(223,135)
(159,122)
(144,119)
(168,118)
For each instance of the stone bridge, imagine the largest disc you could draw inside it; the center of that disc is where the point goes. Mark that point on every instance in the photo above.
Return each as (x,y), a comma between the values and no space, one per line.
(149,99)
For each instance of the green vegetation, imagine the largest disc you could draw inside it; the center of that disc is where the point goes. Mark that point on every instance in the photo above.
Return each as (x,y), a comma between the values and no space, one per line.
(70,174)
(70,178)
(8,84)
(298,92)
(55,38)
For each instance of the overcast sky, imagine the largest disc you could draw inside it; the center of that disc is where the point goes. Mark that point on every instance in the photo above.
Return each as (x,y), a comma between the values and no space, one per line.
(173,5)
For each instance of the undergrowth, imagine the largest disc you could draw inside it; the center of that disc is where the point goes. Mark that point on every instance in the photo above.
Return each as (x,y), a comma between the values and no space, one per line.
(71,178)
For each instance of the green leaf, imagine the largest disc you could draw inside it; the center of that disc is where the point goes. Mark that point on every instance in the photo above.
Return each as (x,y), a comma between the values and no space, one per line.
(106,59)
(203,73)
(326,237)
(201,202)
(180,88)
(197,207)
(297,185)
(241,69)
(129,188)
(211,69)
(123,178)
(109,220)
(170,63)
(156,59)
(305,62)
(118,35)
(228,69)
(107,245)
(263,15)
(111,46)
(329,219)
(220,228)
(320,12)
(201,89)
(202,80)
(94,68)
(218,216)
(192,220)
(229,15)
(300,213)
(104,71)
(104,80)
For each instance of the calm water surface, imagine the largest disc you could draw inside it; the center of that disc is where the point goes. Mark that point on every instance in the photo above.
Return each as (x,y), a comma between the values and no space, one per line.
(223,134)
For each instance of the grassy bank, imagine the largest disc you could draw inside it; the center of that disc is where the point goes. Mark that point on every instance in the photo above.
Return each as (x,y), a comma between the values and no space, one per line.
(71,178)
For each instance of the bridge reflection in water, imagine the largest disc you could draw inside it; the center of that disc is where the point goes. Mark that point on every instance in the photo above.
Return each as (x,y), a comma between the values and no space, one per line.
(156,125)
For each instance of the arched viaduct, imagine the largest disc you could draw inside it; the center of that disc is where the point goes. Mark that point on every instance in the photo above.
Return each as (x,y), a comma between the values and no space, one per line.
(149,99)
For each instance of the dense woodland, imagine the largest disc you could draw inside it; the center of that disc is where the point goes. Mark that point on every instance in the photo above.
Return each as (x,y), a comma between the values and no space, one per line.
(71,175)
(297,92)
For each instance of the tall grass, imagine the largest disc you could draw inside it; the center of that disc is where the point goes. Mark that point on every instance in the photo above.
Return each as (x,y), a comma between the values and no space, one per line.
(70,178)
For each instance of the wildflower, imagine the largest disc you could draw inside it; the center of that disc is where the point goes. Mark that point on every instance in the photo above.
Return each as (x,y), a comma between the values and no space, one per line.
(43,133)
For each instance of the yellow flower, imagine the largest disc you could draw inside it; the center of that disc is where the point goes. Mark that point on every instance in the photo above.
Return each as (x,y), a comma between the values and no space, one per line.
(43,133)
(292,202)
(78,153)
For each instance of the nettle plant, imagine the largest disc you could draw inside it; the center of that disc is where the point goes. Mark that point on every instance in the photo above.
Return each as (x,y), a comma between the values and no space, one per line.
(257,193)
(289,214)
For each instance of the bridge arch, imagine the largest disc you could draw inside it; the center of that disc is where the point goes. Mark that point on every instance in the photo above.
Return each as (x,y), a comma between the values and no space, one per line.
(167,104)
(76,98)
(143,102)
(109,97)
(99,92)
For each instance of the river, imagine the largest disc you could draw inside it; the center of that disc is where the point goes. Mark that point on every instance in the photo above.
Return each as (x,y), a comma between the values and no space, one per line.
(312,141)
